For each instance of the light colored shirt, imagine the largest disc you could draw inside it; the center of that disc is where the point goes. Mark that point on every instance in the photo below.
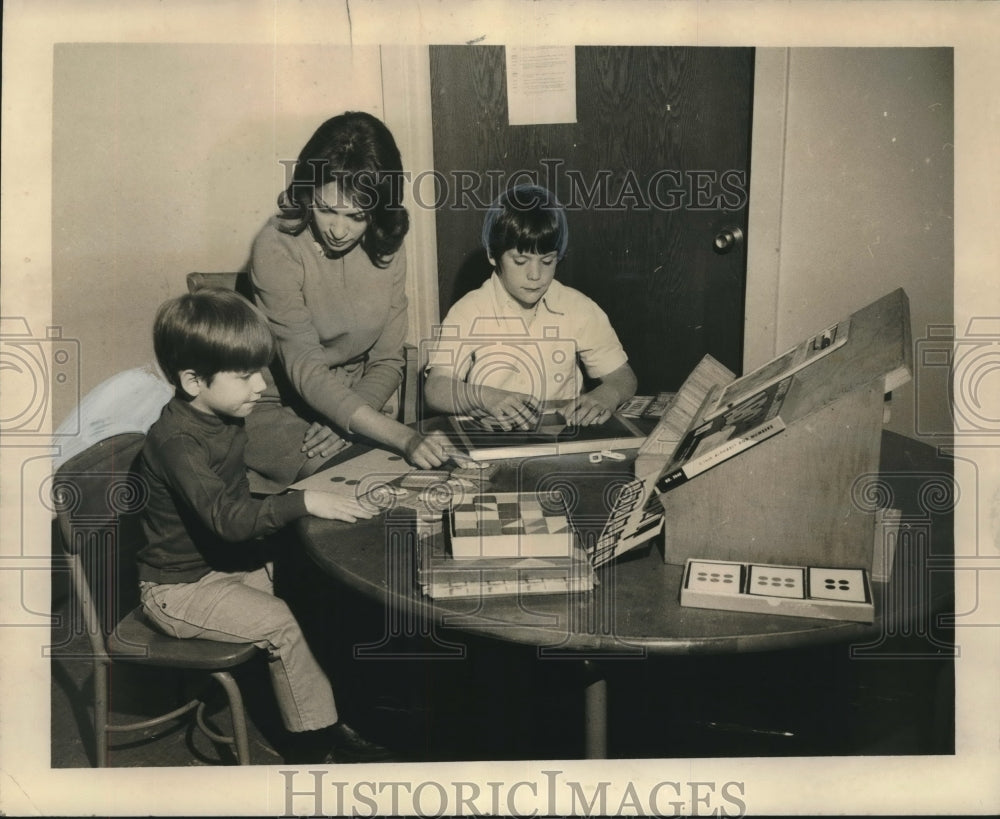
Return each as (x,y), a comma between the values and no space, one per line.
(488,339)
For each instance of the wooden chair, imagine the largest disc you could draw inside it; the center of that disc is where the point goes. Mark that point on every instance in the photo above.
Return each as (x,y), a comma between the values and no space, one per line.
(97,496)
(402,406)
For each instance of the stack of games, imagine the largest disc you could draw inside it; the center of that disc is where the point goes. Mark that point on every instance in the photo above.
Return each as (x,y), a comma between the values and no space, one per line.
(505,543)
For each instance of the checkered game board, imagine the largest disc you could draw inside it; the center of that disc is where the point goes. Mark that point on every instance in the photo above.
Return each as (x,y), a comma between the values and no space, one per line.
(510,513)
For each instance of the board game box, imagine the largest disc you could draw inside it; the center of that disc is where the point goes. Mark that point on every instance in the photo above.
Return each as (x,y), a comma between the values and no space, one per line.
(550,436)
(510,524)
(646,406)
(636,518)
(439,575)
(716,440)
(781,367)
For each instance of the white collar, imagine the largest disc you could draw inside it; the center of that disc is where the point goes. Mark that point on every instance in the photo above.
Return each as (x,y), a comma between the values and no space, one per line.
(505,301)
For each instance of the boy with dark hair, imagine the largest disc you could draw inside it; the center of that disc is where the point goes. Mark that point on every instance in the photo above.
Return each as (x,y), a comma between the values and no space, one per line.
(494,358)
(200,572)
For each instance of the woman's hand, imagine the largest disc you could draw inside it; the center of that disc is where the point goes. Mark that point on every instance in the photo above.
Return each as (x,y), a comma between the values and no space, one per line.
(322,441)
(334,507)
(428,451)
(423,451)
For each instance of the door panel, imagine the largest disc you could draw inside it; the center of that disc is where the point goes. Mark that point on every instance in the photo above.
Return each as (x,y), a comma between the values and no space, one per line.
(655,167)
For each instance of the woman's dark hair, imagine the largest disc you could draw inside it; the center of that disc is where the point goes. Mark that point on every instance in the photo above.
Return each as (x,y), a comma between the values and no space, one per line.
(210,331)
(527,218)
(358,152)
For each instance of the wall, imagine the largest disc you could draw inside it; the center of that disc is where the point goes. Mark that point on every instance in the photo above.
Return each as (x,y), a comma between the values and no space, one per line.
(165,161)
(851,192)
(851,197)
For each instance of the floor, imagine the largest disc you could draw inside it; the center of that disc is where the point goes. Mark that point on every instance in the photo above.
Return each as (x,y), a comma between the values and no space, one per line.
(499,702)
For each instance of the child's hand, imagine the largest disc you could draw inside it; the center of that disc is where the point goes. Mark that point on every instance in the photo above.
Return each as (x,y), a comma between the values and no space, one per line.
(586,410)
(334,507)
(322,441)
(511,410)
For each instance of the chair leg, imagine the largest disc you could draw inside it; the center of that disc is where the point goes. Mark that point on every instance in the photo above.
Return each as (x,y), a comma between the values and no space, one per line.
(101,673)
(238,714)
(102,728)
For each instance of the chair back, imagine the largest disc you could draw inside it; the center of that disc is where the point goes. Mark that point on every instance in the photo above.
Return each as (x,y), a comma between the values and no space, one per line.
(98,496)
(240,282)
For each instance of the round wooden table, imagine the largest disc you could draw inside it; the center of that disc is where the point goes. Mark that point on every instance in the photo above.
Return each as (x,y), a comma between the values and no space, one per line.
(633,611)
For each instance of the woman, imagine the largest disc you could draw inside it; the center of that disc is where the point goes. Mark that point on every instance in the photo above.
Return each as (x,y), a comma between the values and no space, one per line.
(329,272)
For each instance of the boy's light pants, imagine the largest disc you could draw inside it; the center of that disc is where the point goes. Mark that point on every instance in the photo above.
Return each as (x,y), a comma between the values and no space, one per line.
(240,607)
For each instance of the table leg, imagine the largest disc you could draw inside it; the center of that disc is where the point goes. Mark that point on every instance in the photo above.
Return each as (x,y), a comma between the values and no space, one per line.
(595,712)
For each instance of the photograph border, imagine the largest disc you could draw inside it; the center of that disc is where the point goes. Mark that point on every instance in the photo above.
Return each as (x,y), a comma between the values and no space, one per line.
(965,783)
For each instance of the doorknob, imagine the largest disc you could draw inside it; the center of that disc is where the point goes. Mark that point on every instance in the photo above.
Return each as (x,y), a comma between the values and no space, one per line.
(726,239)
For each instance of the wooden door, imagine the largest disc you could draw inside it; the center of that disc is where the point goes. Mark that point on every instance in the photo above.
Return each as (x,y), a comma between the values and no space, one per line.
(653,171)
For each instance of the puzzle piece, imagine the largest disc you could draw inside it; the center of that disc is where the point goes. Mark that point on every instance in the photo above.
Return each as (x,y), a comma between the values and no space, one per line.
(777,581)
(483,471)
(714,577)
(423,478)
(837,584)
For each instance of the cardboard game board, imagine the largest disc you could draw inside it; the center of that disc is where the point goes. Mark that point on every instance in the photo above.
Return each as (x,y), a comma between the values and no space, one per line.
(382,481)
(357,477)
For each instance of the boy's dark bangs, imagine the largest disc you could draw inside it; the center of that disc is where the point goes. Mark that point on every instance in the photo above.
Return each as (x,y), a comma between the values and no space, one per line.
(244,347)
(542,245)
(537,234)
(252,348)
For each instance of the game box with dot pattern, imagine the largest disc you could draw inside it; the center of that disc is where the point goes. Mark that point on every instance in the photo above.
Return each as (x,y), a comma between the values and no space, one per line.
(797,591)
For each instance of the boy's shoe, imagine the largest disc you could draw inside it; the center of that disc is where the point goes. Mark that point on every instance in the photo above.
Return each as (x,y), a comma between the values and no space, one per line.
(347,745)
